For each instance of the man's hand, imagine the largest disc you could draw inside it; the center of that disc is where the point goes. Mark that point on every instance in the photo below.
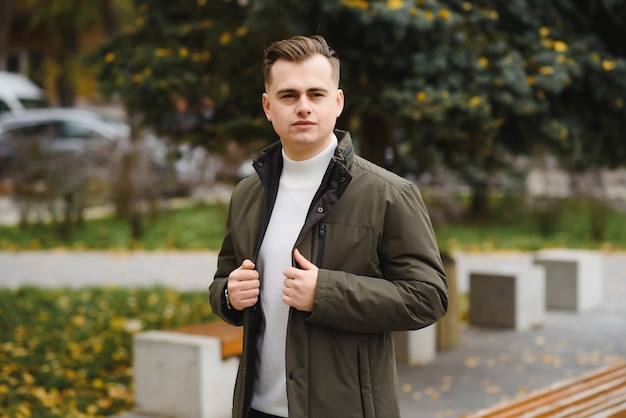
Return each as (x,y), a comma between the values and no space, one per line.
(300,284)
(243,286)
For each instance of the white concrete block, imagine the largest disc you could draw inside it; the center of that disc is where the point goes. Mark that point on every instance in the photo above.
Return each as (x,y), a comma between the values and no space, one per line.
(466,263)
(182,376)
(574,278)
(416,347)
(509,297)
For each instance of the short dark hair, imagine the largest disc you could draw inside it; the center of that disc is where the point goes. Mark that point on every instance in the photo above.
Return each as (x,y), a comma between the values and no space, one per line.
(298,49)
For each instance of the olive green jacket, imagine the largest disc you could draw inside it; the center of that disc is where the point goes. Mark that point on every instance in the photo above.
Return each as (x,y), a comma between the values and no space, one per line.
(380,270)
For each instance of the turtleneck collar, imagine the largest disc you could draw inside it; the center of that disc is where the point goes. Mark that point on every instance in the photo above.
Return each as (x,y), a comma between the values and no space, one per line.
(307,173)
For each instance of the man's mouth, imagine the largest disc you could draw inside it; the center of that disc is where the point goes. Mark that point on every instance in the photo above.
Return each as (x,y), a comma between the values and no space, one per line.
(303,123)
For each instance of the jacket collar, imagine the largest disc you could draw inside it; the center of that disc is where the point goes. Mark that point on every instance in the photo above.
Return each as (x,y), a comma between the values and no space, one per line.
(270,163)
(345,150)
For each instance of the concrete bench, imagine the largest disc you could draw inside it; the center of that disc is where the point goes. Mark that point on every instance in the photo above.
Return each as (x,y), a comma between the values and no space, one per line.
(419,347)
(508,297)
(599,393)
(416,348)
(574,278)
(187,373)
(190,372)
(466,263)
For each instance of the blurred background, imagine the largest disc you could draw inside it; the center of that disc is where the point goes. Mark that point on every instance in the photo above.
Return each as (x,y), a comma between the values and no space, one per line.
(509,115)
(520,100)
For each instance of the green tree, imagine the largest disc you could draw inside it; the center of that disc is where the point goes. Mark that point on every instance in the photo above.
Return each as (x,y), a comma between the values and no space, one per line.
(173,58)
(437,75)
(187,50)
(467,84)
(471,84)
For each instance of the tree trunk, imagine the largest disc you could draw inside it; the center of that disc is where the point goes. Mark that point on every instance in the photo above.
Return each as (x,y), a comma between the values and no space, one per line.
(6,17)
(590,188)
(108,18)
(378,144)
(66,91)
(479,205)
(65,53)
(449,327)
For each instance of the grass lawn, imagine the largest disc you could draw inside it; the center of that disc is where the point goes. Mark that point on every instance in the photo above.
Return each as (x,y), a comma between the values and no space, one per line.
(197,227)
(512,226)
(202,226)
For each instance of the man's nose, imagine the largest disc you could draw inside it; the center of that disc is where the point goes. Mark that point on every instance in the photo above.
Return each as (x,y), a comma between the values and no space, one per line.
(304,106)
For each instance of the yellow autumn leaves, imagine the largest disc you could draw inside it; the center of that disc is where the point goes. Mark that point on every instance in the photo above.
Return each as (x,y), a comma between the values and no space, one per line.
(182,52)
(68,353)
(443,14)
(473,101)
(608,64)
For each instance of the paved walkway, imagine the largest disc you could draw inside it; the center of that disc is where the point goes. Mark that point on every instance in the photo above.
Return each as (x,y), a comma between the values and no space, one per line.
(493,364)
(489,365)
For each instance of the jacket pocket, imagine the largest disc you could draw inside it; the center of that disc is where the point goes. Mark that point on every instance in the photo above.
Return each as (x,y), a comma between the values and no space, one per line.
(365,382)
(349,248)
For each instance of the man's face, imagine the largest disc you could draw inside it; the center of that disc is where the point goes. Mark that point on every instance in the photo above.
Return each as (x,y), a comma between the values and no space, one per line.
(303,103)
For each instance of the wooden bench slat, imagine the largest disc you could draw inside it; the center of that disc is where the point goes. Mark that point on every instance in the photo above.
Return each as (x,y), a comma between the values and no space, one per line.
(580,394)
(535,401)
(603,384)
(617,410)
(231,337)
(592,399)
(609,406)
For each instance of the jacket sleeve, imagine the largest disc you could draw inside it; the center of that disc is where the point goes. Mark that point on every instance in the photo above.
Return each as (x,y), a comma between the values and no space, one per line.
(226,263)
(413,291)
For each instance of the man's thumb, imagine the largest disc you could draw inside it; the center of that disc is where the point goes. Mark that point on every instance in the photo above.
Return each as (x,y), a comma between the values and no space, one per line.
(247,265)
(302,261)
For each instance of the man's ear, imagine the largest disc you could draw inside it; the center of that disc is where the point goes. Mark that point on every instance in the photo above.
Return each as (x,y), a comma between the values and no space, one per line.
(265,102)
(340,102)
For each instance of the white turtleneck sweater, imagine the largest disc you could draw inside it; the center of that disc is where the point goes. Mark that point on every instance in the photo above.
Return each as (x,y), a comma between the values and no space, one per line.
(299,181)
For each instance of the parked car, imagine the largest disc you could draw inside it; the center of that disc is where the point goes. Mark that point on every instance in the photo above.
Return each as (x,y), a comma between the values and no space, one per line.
(103,140)
(18,93)
(63,129)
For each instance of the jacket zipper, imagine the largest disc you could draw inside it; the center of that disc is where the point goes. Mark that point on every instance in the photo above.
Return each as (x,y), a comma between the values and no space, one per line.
(320,243)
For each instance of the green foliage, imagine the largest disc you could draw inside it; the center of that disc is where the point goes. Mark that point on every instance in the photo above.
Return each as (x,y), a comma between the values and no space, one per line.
(465,84)
(187,49)
(68,353)
(197,227)
(469,84)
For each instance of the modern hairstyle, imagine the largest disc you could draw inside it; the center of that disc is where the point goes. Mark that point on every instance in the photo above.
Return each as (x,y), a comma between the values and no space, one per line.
(298,49)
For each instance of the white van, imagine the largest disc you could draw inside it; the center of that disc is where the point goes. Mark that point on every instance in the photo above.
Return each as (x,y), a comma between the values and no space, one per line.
(18,93)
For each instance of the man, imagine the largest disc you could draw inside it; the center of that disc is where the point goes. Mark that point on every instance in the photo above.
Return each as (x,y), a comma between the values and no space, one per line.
(325,255)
